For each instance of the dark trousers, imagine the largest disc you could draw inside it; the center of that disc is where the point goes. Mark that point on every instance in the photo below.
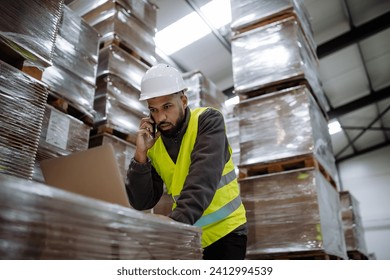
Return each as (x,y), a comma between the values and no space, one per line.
(229,247)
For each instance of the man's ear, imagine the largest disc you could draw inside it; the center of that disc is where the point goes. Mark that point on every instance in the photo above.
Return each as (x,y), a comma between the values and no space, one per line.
(184,100)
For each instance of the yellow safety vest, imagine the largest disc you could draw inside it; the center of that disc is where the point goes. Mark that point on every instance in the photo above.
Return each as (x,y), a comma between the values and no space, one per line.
(226,211)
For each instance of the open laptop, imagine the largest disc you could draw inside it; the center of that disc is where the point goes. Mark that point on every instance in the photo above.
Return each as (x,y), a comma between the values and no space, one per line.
(94,173)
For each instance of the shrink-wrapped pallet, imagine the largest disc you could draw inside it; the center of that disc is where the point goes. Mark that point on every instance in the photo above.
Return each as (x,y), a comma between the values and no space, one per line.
(117,25)
(352,224)
(273,55)
(202,92)
(115,115)
(292,212)
(283,125)
(124,150)
(118,107)
(250,13)
(77,46)
(41,222)
(22,106)
(143,10)
(116,61)
(29,27)
(122,91)
(232,133)
(61,135)
(68,86)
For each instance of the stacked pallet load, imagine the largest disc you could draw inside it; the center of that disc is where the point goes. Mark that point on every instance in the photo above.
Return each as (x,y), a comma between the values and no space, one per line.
(40,222)
(353,227)
(27,41)
(233,134)
(61,135)
(202,92)
(126,51)
(71,79)
(288,178)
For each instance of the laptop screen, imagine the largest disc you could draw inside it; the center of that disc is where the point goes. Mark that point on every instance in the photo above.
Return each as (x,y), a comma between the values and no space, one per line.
(93,173)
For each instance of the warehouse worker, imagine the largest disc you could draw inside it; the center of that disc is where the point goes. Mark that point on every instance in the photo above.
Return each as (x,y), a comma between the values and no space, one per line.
(190,154)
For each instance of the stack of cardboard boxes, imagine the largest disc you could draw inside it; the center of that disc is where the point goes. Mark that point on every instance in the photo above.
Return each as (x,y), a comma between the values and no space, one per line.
(40,222)
(126,51)
(71,79)
(27,41)
(288,177)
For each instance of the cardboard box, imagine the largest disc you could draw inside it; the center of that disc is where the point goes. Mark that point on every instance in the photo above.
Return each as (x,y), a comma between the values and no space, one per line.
(283,125)
(292,211)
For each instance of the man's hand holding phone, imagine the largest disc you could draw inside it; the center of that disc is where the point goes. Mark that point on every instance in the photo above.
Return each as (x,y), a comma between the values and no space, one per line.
(146,137)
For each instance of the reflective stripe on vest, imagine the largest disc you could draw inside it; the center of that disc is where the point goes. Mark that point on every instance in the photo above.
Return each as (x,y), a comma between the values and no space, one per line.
(225,179)
(220,213)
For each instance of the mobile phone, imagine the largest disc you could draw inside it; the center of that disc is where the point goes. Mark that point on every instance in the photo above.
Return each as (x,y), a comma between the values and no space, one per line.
(154,127)
(154,130)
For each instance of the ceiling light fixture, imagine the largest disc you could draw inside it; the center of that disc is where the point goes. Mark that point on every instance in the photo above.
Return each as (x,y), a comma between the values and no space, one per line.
(334,127)
(191,27)
(232,101)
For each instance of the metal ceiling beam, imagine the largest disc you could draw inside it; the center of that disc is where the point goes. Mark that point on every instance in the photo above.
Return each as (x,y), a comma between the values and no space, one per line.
(362,132)
(217,34)
(367,150)
(362,128)
(360,103)
(356,34)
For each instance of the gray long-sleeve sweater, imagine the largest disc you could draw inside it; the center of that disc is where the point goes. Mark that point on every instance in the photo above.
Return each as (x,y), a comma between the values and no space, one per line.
(208,158)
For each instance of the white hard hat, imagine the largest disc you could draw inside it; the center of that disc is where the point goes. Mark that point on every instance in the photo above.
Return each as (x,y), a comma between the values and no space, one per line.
(161,80)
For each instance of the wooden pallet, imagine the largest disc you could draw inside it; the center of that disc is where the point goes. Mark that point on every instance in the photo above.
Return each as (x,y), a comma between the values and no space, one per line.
(15,59)
(295,81)
(356,255)
(110,129)
(32,71)
(121,44)
(69,108)
(266,21)
(285,164)
(301,255)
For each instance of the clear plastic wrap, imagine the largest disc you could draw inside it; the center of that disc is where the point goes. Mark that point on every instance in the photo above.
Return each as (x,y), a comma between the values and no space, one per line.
(124,150)
(114,114)
(274,54)
(251,12)
(61,134)
(202,92)
(41,222)
(113,22)
(292,212)
(30,28)
(143,10)
(22,106)
(123,92)
(71,87)
(284,124)
(232,132)
(352,223)
(77,46)
(116,61)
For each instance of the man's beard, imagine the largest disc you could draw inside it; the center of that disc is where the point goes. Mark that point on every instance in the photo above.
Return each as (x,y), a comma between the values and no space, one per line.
(175,130)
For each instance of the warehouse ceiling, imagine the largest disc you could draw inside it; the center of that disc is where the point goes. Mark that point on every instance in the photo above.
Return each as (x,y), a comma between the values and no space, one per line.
(353,47)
